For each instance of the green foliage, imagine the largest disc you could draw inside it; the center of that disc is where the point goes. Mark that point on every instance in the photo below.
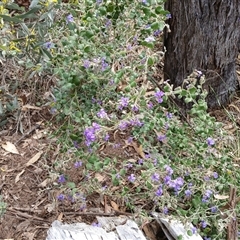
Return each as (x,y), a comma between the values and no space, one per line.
(105,55)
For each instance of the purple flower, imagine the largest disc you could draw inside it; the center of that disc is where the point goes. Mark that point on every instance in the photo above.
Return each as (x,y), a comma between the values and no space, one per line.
(150,39)
(89,134)
(96,126)
(108,23)
(214,209)
(155,177)
(168,16)
(169,115)
(167,179)
(194,230)
(215,175)
(123,125)
(206,196)
(70,18)
(71,198)
(86,64)
(159,192)
(155,162)
(208,193)
(188,193)
(61,179)
(83,207)
(206,238)
(168,169)
(48,45)
(135,108)
(140,161)
(107,136)
(53,110)
(206,178)
(102,113)
(104,187)
(144,1)
(203,224)
(78,164)
(75,144)
(136,122)
(143,60)
(99,2)
(60,197)
(158,95)
(150,105)
(123,102)
(96,224)
(179,181)
(157,33)
(104,64)
(117,175)
(161,138)
(131,178)
(176,184)
(210,141)
(130,140)
(165,210)
(129,165)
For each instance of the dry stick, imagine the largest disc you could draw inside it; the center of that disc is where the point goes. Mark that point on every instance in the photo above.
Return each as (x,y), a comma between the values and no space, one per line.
(117,213)
(27,216)
(26,134)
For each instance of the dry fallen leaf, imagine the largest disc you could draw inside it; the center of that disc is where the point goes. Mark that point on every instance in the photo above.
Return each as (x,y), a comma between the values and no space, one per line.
(139,149)
(19,175)
(9,147)
(60,216)
(39,134)
(99,177)
(44,183)
(34,158)
(221,197)
(114,206)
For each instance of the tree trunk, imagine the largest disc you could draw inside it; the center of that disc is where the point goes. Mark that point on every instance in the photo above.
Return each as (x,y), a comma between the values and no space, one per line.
(204,35)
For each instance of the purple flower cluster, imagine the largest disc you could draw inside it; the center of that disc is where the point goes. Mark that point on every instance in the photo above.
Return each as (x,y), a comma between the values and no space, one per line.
(102,113)
(104,64)
(61,179)
(60,197)
(131,178)
(176,184)
(86,63)
(207,195)
(90,134)
(123,103)
(155,177)
(123,125)
(159,96)
(214,209)
(78,164)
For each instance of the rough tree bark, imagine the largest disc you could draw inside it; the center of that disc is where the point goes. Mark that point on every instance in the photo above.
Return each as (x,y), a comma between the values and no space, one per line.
(204,36)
